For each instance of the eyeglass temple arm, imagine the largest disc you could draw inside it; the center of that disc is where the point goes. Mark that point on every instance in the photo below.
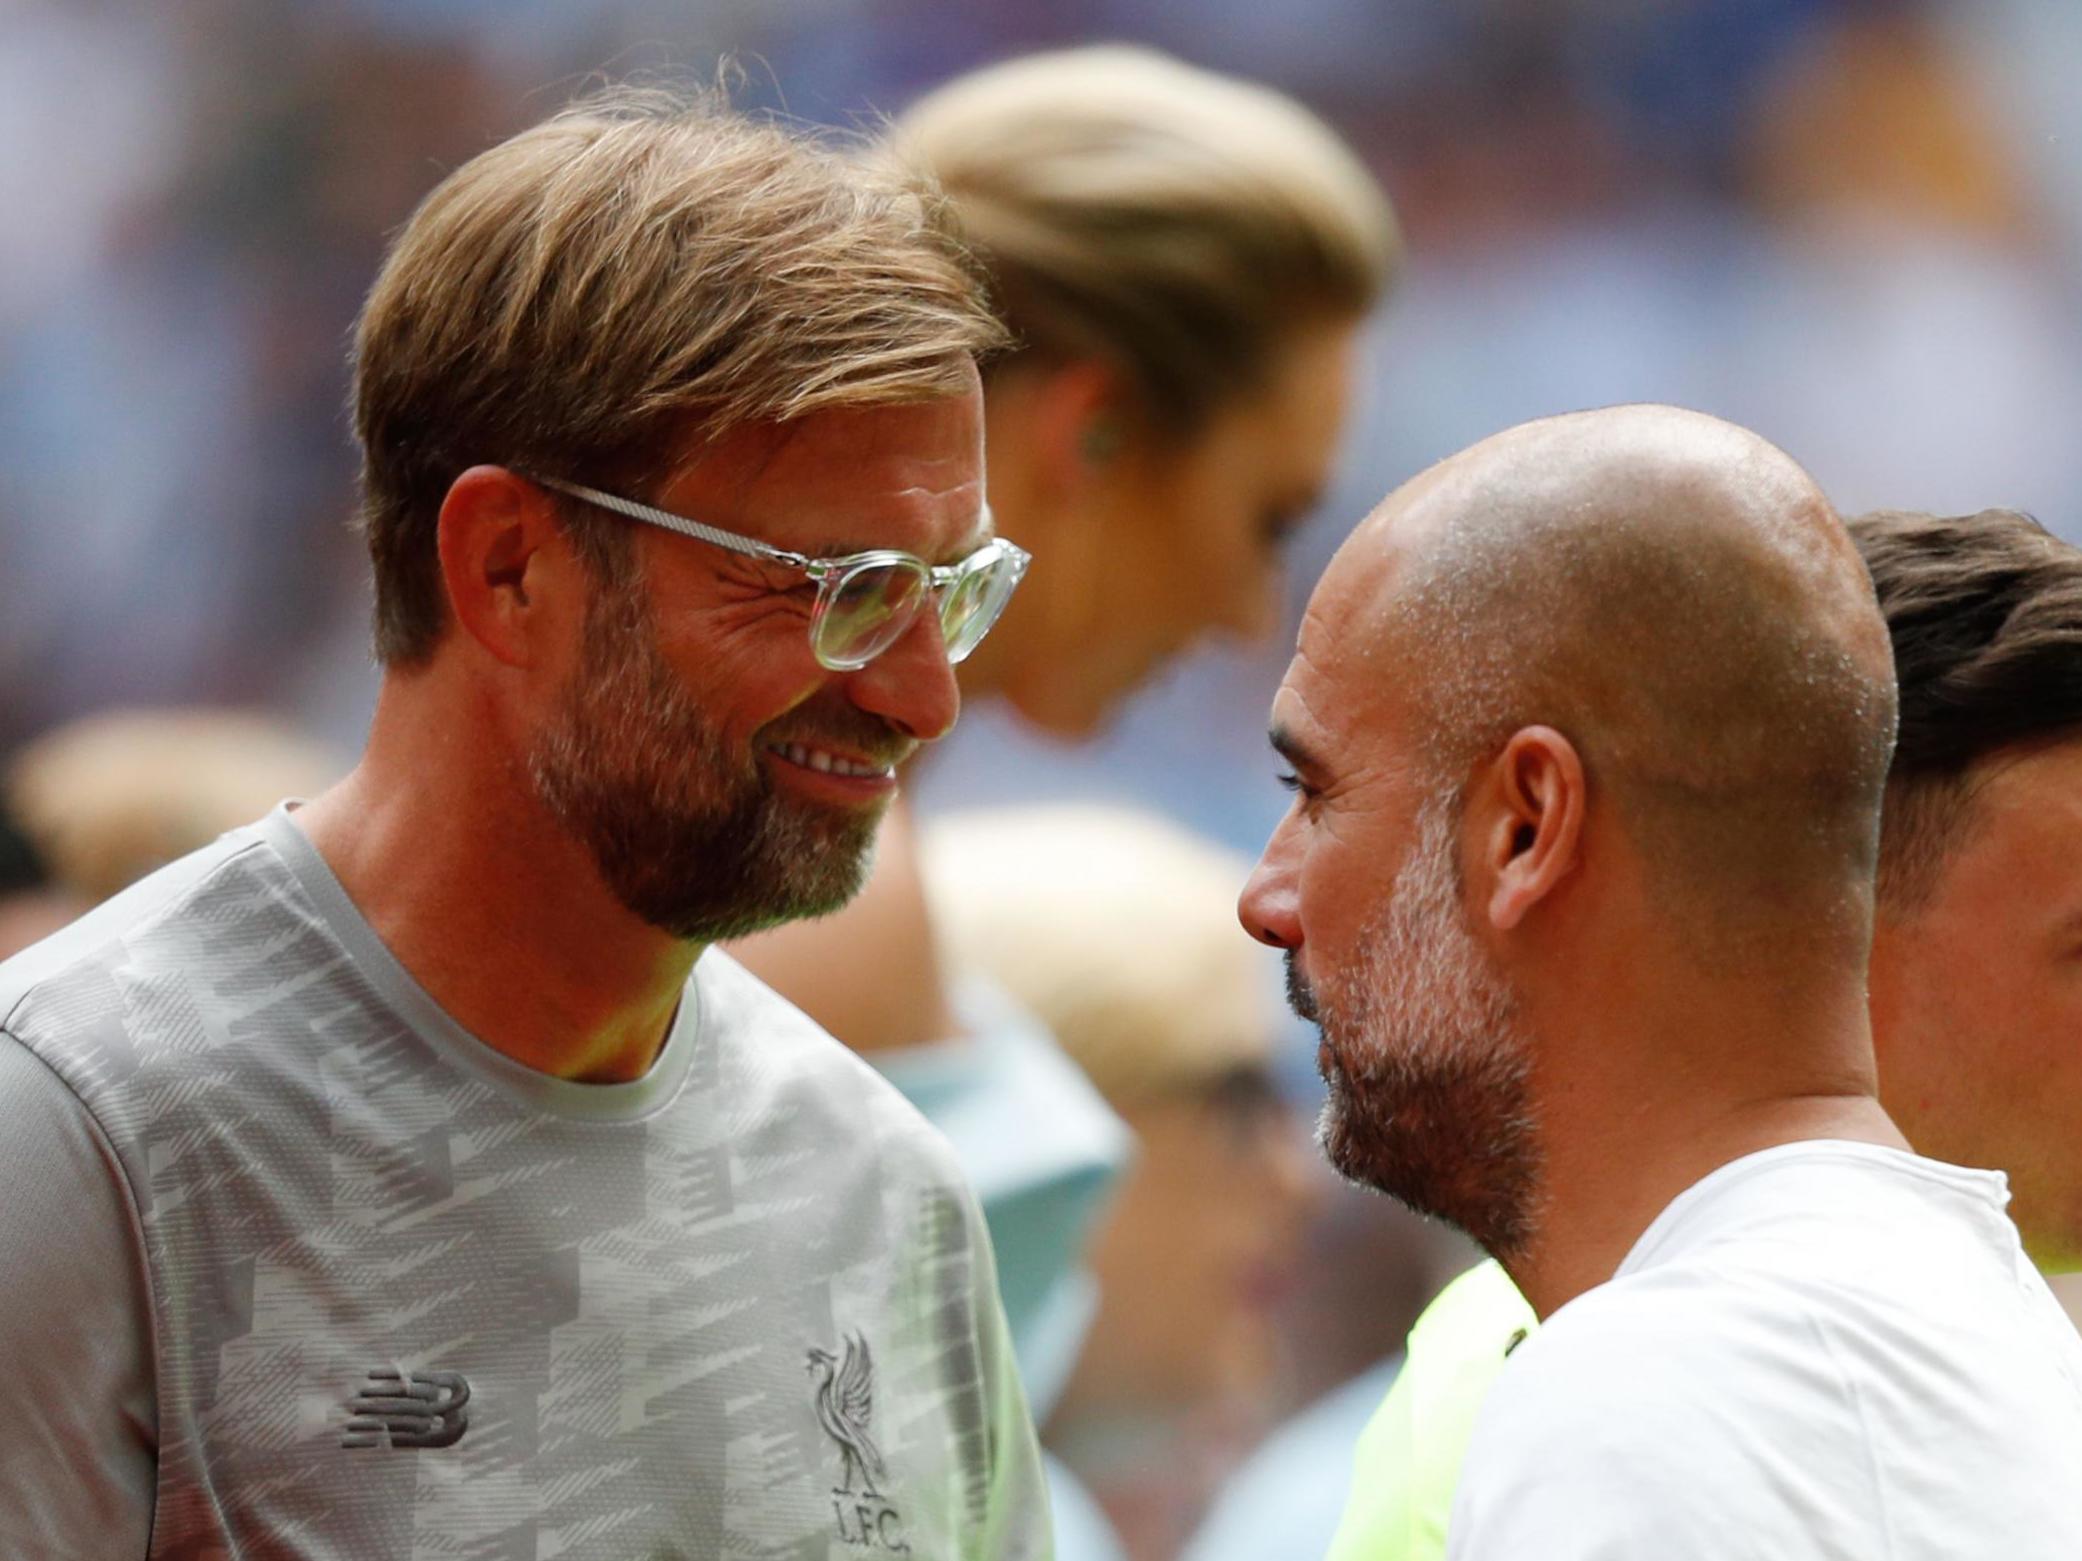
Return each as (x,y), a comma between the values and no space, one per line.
(748,546)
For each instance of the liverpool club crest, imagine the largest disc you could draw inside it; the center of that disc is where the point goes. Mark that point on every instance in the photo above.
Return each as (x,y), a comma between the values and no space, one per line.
(867,1519)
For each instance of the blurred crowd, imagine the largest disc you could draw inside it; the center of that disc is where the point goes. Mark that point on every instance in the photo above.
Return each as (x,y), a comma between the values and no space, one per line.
(1853,225)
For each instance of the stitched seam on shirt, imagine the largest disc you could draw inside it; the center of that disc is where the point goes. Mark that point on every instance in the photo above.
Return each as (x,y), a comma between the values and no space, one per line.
(1881,1505)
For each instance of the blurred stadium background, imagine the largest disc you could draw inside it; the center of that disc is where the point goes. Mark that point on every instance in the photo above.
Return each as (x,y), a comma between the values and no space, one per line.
(1852,224)
(1855,225)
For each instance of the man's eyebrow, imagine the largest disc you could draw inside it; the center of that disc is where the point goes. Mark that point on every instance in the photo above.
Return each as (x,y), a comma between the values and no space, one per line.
(1293,750)
(980,533)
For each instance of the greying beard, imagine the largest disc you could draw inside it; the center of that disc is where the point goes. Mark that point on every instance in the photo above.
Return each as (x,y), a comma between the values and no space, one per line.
(696,843)
(1427,1067)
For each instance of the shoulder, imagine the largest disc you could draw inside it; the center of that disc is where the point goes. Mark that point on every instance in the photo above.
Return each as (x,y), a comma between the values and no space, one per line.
(1409,1455)
(779,1062)
(1657,1414)
(66,965)
(1480,1310)
(1650,1342)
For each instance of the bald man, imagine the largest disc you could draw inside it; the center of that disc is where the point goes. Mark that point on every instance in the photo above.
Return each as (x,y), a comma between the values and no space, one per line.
(1974,1001)
(1589,727)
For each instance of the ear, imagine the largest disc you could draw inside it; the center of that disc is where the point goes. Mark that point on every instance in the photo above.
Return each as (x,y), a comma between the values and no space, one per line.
(1079,422)
(1531,832)
(504,562)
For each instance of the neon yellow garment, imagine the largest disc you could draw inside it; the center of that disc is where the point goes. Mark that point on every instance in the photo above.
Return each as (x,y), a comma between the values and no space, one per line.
(1408,1458)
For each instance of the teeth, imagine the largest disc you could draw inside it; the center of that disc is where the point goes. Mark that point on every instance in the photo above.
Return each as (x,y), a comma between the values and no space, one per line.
(826,763)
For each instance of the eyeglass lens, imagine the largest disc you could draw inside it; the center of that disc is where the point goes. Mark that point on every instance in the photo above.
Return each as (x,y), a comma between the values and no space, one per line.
(868,608)
(866,611)
(973,603)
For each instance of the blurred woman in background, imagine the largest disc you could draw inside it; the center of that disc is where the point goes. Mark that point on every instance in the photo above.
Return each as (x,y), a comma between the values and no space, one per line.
(1186,260)
(1117,930)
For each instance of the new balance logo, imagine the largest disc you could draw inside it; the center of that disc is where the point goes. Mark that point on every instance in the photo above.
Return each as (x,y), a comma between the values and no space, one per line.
(409,1409)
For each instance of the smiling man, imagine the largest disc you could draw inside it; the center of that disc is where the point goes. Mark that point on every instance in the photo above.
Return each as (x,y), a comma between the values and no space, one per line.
(1581,896)
(402,1176)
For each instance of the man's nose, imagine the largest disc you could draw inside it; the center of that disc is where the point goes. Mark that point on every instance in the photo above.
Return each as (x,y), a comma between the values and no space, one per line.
(1268,906)
(911,685)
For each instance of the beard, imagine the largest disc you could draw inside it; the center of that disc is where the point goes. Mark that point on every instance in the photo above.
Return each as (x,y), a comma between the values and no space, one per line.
(1427,1065)
(695,840)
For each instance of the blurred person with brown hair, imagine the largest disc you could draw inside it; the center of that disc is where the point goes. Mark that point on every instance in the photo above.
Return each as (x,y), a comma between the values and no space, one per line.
(1979,919)
(1114,929)
(404,1174)
(1185,260)
(1583,906)
(114,796)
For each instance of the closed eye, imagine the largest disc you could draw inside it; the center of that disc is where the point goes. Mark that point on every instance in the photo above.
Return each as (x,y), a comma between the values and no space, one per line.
(1296,784)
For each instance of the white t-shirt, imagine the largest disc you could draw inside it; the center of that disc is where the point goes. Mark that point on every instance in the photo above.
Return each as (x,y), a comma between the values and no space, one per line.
(292,1265)
(1825,1350)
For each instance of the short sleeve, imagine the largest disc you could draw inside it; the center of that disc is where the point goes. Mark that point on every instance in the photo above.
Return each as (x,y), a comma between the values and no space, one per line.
(1018,1525)
(78,1439)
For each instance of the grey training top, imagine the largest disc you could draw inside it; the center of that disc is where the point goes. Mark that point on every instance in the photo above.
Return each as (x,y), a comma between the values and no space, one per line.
(292,1265)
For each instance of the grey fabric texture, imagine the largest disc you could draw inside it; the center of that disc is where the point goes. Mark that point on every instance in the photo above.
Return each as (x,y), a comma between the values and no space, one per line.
(308,1271)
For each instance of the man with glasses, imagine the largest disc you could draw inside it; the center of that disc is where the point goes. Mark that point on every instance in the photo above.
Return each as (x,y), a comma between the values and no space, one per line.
(403,1175)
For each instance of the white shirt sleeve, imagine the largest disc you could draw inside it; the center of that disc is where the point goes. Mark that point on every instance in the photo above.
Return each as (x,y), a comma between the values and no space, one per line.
(78,1418)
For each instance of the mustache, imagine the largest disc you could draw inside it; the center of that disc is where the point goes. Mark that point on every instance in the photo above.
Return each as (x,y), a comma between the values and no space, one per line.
(1301,997)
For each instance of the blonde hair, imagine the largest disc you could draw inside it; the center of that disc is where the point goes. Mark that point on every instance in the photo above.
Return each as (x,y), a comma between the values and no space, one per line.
(1117,929)
(1135,209)
(111,797)
(641,269)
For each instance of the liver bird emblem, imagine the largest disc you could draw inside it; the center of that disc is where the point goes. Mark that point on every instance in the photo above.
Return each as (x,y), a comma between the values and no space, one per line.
(845,1405)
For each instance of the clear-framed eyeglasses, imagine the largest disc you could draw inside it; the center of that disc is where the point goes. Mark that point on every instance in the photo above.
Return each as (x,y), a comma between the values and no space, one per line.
(865,601)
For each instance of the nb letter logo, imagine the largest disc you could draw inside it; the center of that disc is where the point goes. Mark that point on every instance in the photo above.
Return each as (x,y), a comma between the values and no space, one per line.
(409,1409)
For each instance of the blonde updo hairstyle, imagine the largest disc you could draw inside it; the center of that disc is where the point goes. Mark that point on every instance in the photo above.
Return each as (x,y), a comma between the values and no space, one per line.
(110,797)
(1178,224)
(1117,929)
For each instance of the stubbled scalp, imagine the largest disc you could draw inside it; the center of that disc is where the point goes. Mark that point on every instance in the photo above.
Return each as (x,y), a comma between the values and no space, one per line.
(1676,596)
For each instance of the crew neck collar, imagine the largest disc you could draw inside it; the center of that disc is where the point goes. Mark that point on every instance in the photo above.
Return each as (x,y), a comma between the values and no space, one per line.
(413,1004)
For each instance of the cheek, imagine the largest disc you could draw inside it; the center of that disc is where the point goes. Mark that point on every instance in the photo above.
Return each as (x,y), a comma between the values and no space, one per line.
(743,679)
(1333,899)
(1956,1019)
(1173,555)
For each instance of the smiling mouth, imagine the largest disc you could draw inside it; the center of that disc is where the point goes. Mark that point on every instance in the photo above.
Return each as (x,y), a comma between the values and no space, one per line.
(825,762)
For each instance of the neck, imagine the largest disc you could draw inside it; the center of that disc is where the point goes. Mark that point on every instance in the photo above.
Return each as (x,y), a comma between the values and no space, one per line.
(1651,1108)
(491,906)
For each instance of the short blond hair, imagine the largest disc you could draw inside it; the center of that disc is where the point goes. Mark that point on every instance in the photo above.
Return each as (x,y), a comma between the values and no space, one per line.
(642,270)
(1135,209)
(1118,930)
(113,796)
